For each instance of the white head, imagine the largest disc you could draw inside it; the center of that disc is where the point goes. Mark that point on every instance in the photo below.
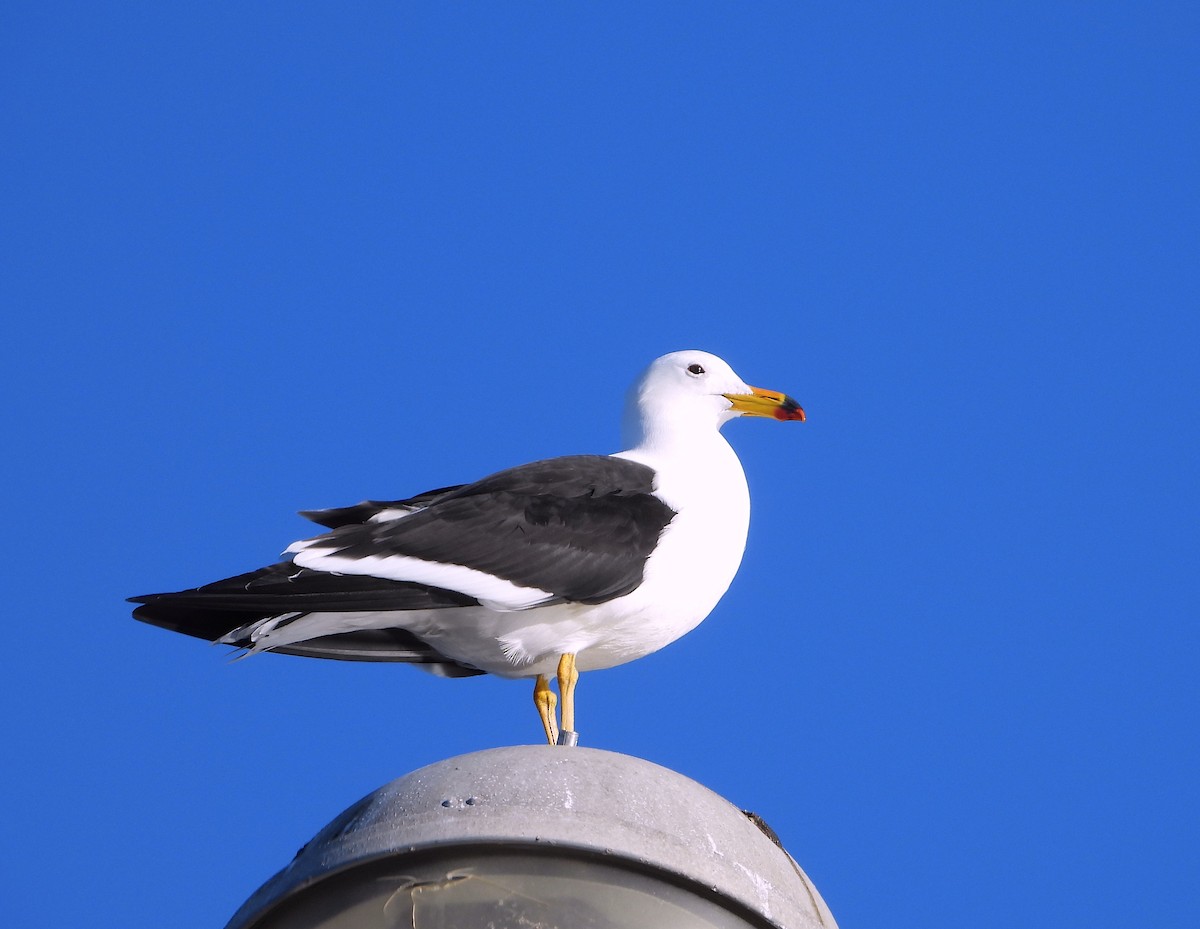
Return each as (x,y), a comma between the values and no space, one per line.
(686,394)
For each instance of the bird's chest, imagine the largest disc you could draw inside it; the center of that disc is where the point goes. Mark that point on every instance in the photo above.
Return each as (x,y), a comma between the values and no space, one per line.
(699,551)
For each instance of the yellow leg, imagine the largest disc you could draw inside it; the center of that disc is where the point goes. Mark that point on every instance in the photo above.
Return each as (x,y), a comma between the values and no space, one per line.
(546,703)
(568,677)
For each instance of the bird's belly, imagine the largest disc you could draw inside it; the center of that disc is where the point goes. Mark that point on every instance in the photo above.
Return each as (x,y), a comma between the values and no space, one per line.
(526,643)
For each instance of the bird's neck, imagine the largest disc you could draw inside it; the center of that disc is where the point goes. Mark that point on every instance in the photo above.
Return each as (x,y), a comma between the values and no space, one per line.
(696,463)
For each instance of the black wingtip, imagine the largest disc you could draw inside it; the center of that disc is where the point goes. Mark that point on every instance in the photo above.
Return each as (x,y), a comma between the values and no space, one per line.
(209,625)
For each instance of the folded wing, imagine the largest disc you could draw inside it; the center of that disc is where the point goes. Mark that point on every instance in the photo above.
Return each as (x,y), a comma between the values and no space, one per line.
(576,529)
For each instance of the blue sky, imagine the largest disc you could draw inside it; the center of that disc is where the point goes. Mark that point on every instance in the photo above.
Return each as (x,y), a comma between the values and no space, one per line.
(283,256)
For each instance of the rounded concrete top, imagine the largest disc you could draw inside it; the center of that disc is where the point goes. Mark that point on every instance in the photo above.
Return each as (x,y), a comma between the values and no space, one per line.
(574,799)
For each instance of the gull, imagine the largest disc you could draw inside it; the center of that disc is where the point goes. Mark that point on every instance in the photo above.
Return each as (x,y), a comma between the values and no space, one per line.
(551,568)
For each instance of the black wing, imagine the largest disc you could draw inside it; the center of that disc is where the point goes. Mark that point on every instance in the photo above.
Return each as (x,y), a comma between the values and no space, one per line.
(580,528)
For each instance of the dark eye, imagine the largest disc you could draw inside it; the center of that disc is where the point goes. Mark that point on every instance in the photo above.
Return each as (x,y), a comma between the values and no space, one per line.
(695,370)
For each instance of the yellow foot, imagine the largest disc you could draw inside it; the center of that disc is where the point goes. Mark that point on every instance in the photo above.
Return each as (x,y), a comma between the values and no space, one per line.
(546,703)
(568,677)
